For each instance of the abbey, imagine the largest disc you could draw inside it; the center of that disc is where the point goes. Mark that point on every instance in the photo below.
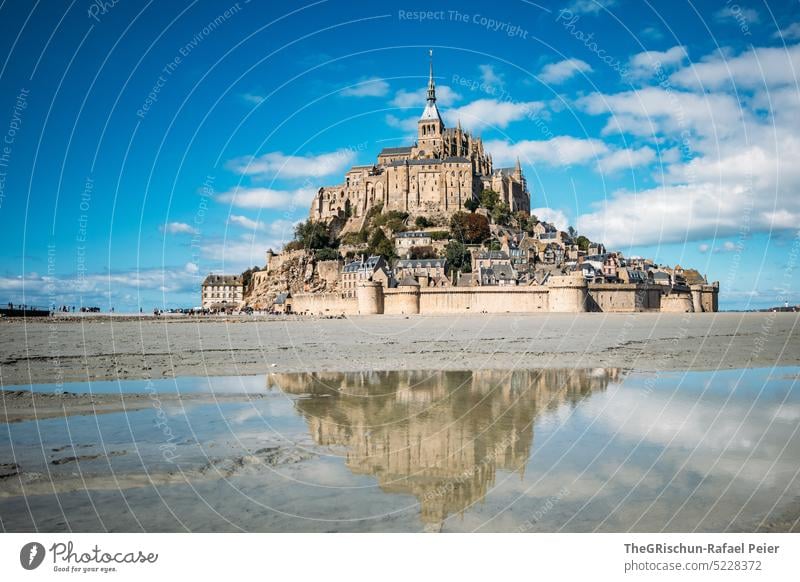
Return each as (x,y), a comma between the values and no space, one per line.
(434,177)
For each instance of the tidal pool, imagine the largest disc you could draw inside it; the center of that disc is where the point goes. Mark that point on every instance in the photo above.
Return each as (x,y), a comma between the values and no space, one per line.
(521,451)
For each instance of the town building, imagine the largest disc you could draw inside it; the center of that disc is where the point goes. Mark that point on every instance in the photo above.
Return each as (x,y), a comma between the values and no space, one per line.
(436,176)
(405,241)
(222,292)
(427,272)
(373,268)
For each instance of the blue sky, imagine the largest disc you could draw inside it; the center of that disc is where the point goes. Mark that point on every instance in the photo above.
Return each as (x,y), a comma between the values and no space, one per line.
(145,145)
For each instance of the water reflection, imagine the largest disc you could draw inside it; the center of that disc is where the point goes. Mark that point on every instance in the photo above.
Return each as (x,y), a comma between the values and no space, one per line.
(440,436)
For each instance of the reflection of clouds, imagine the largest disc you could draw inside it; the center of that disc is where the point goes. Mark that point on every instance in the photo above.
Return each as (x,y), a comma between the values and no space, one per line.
(719,434)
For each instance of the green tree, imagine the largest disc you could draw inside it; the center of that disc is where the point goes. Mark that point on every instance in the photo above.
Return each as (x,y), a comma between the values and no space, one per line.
(472,204)
(458,257)
(583,243)
(422,222)
(247,277)
(573,234)
(501,213)
(489,199)
(379,244)
(327,254)
(355,238)
(312,235)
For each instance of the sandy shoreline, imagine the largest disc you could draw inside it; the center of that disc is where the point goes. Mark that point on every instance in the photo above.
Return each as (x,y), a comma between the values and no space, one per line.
(60,351)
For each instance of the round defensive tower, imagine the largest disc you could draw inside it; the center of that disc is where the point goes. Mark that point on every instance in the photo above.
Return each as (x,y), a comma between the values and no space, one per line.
(567,294)
(407,297)
(370,298)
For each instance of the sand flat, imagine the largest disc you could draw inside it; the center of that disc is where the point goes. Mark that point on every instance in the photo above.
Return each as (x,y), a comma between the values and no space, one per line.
(56,351)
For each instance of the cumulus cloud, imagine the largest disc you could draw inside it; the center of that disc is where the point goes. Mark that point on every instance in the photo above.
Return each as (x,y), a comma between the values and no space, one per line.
(648,63)
(280,228)
(258,198)
(490,77)
(483,113)
(590,6)
(372,87)
(116,288)
(445,96)
(753,69)
(626,159)
(559,72)
(177,228)
(738,14)
(552,215)
(279,165)
(237,253)
(791,32)
(408,124)
(558,151)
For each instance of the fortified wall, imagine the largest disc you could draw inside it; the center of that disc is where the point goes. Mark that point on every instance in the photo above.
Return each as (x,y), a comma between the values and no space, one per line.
(565,294)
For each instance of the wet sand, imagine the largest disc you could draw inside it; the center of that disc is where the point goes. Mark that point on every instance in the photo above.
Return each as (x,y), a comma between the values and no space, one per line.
(20,405)
(70,350)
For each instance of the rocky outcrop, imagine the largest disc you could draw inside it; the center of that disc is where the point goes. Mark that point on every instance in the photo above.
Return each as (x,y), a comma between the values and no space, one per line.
(299,272)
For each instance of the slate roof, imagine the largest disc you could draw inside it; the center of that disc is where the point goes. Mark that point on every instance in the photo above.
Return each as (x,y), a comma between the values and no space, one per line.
(369,264)
(408,282)
(395,151)
(223,280)
(420,264)
(413,234)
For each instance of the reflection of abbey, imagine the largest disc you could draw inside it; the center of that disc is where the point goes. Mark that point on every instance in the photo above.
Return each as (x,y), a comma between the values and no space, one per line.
(436,176)
(440,436)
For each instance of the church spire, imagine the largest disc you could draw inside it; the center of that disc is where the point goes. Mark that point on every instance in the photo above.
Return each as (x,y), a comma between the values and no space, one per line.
(431,84)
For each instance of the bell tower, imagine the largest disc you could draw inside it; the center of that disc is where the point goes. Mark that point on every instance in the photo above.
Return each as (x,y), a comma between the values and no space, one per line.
(430,126)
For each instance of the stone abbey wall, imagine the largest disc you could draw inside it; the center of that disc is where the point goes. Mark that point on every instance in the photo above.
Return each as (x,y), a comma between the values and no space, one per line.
(562,295)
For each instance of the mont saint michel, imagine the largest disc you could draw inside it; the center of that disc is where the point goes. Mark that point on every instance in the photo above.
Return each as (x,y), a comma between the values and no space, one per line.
(435,228)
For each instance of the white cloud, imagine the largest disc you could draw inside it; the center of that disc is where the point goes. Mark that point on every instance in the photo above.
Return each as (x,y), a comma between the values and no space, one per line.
(258,198)
(626,159)
(753,69)
(372,87)
(279,228)
(552,215)
(279,165)
(738,14)
(559,72)
(490,77)
(253,98)
(177,228)
(558,151)
(590,6)
(108,289)
(246,222)
(238,253)
(791,32)
(409,124)
(445,97)
(484,113)
(648,63)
